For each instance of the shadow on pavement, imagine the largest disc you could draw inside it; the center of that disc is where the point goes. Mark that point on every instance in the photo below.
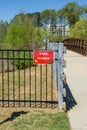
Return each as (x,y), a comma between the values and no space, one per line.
(69,99)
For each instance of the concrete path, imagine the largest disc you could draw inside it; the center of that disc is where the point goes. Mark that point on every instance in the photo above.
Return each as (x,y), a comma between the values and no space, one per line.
(76,73)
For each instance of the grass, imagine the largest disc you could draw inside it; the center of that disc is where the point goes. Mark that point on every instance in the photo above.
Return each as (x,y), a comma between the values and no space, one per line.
(34,119)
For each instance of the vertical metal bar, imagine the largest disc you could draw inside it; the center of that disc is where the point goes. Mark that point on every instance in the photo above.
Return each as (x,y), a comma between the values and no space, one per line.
(46,71)
(30,79)
(13,80)
(19,77)
(24,82)
(8,89)
(35,87)
(46,86)
(2,79)
(40,85)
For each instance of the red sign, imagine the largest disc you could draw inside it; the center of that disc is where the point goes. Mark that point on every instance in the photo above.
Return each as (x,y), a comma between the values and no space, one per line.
(43,57)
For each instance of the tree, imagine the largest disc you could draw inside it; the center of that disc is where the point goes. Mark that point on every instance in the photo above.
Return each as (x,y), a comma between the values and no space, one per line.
(49,17)
(36,19)
(23,36)
(72,12)
(26,18)
(84,14)
(85,9)
(20,19)
(79,30)
(3,31)
(17,36)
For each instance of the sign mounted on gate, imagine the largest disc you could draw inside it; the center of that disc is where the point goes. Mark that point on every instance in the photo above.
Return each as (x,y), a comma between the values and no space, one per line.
(43,57)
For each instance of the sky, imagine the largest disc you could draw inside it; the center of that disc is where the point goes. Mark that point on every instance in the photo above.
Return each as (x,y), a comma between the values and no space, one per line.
(10,8)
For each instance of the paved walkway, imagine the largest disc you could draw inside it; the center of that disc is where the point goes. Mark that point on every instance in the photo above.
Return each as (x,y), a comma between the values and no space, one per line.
(76,73)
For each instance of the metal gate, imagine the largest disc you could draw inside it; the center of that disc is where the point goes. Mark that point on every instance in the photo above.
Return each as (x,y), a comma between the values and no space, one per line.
(23,84)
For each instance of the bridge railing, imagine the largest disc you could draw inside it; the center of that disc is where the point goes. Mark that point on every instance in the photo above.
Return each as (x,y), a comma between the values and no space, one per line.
(76,44)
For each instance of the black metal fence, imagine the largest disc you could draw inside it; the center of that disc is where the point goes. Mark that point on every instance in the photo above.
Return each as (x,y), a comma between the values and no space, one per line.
(23,84)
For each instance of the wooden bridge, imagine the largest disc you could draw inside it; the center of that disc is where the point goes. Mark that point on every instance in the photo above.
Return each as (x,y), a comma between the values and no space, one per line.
(77,45)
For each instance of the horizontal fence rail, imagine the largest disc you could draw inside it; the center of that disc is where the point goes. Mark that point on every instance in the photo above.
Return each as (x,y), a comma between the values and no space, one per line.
(77,45)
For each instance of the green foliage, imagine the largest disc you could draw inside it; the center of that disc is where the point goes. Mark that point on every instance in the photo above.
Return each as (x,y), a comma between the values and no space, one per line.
(21,18)
(17,36)
(56,38)
(48,14)
(85,9)
(72,11)
(79,30)
(21,63)
(3,31)
(24,36)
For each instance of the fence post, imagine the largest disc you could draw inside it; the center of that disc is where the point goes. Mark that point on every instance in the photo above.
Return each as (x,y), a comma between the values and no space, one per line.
(60,75)
(58,69)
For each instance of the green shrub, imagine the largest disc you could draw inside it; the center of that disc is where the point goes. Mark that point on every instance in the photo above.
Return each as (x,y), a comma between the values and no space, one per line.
(23,60)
